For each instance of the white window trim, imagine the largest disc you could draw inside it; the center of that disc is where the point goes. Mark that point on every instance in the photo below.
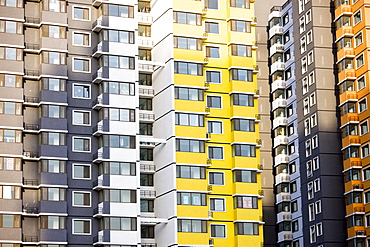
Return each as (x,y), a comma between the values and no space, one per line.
(362,155)
(73,226)
(363,60)
(357,81)
(222,127)
(362,39)
(315,144)
(219,71)
(82,192)
(310,55)
(310,184)
(223,155)
(82,58)
(317,185)
(78,84)
(366,223)
(367,123)
(211,95)
(364,195)
(225,227)
(313,212)
(73,123)
(83,7)
(354,18)
(223,177)
(318,206)
(309,34)
(74,32)
(308,16)
(80,137)
(213,21)
(363,100)
(73,173)
(318,164)
(319,226)
(224,202)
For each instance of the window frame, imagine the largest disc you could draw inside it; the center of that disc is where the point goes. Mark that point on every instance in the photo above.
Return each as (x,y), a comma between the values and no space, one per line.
(81,71)
(80,137)
(81,192)
(85,220)
(84,85)
(84,165)
(224,227)
(223,204)
(83,33)
(81,111)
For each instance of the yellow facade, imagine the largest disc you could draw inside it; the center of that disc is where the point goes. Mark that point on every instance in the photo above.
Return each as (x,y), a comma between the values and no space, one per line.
(230,189)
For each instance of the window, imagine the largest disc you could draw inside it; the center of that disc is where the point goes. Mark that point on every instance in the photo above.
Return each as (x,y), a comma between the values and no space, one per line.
(367,196)
(118,224)
(145,79)
(310,192)
(51,57)
(81,13)
(309,37)
(10,221)
(53,194)
(12,3)
(352,174)
(118,62)
(53,111)
(213,76)
(312,234)
(302,25)
(195,146)
(119,36)
(81,171)
(117,114)
(146,129)
(52,138)
(364,129)
(294,206)
(53,84)
(146,154)
(295,226)
(117,141)
(9,53)
(81,91)
(360,61)
(304,65)
(308,16)
(290,129)
(291,148)
(194,172)
(81,118)
(241,75)
(361,83)
(240,4)
(54,5)
(187,119)
(245,176)
(10,135)
(241,50)
(147,232)
(312,99)
(316,184)
(216,178)
(10,192)
(350,152)
(300,6)
(244,150)
(303,44)
(187,198)
(285,19)
(214,102)
(81,227)
(315,142)
(212,27)
(348,107)
(192,226)
(358,39)
(284,226)
(119,196)
(286,37)
(318,207)
(246,228)
(362,106)
(81,65)
(117,168)
(217,204)
(211,4)
(357,17)
(240,26)
(308,148)
(243,99)
(218,231)
(10,164)
(81,39)
(118,10)
(311,212)
(81,199)
(215,127)
(53,166)
(243,125)
(146,205)
(188,68)
(212,52)
(246,202)
(146,180)
(184,93)
(122,88)
(10,108)
(293,187)
(310,58)
(56,32)
(11,27)
(187,18)
(365,151)
(7,80)
(53,222)
(81,144)
(188,43)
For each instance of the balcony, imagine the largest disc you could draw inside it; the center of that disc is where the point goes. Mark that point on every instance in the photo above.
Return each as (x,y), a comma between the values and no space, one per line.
(30,182)
(280,178)
(32,48)
(285,236)
(278,84)
(146,117)
(283,197)
(284,216)
(277,66)
(281,140)
(145,42)
(147,168)
(343,9)
(146,92)
(345,31)
(144,18)
(147,194)
(30,239)
(31,155)
(31,128)
(33,22)
(279,121)
(348,96)
(281,159)
(30,211)
(279,103)
(276,48)
(276,30)
(352,162)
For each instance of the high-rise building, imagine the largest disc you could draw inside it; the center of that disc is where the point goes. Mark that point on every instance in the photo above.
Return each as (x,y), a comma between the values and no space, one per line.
(352,71)
(130,123)
(305,126)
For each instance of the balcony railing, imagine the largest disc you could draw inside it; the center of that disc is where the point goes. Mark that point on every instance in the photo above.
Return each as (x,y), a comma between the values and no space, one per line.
(33,182)
(30,238)
(31,154)
(30,46)
(32,73)
(31,99)
(31,126)
(147,168)
(30,210)
(32,20)
(146,116)
(148,245)
(147,193)
(145,91)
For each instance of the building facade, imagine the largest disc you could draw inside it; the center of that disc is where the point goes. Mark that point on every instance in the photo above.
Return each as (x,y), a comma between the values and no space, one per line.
(130,123)
(306,126)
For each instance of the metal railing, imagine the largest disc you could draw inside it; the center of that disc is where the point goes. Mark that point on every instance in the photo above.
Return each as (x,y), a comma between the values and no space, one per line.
(31,126)
(147,193)
(32,20)
(146,116)
(147,168)
(33,182)
(144,91)
(32,72)
(31,99)
(30,238)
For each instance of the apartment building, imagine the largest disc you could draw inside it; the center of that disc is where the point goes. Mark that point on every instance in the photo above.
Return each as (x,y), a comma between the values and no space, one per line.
(352,70)
(305,126)
(130,123)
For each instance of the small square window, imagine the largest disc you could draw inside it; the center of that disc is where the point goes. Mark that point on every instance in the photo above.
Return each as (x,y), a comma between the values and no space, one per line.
(216,178)
(361,83)
(357,17)
(212,4)
(212,52)
(81,39)
(81,171)
(309,37)
(213,76)
(360,61)
(214,102)
(217,204)
(81,65)
(81,227)
(215,153)
(81,144)
(218,231)
(364,129)
(215,127)
(212,27)
(81,91)
(362,106)
(81,13)
(81,199)
(358,39)
(81,118)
